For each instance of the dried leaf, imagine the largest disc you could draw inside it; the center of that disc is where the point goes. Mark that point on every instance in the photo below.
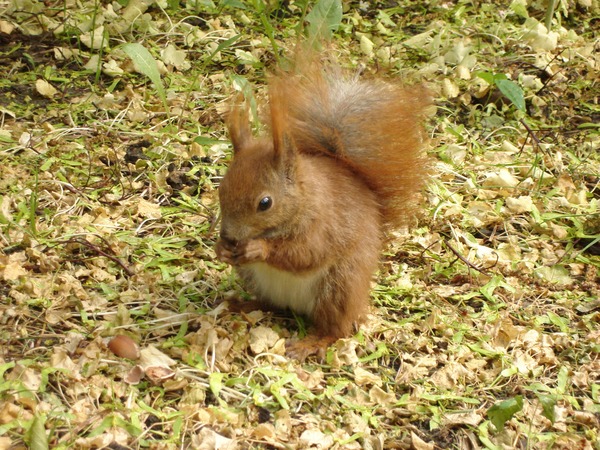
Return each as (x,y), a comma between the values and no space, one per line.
(362,377)
(519,205)
(134,376)
(471,418)
(44,88)
(380,397)
(159,374)
(208,439)
(153,357)
(420,444)
(316,439)
(262,339)
(5,441)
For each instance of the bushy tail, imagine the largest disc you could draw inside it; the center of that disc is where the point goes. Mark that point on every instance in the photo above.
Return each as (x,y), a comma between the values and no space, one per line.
(373,126)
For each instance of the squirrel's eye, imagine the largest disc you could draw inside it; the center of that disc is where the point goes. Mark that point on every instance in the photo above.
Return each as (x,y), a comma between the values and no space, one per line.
(265,203)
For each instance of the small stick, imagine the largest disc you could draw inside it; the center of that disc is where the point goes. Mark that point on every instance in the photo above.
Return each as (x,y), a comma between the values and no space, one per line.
(96,249)
(465,260)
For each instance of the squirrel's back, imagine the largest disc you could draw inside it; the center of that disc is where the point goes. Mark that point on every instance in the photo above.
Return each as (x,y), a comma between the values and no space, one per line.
(373,126)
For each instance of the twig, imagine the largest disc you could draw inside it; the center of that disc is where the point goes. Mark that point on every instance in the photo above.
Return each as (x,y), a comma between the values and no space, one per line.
(96,249)
(465,260)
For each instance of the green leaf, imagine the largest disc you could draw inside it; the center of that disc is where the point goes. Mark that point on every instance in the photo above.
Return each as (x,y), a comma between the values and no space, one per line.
(246,89)
(381,351)
(48,163)
(563,380)
(203,140)
(509,89)
(548,402)
(232,4)
(146,64)
(215,381)
(324,19)
(9,365)
(279,393)
(495,282)
(37,437)
(501,412)
(222,46)
(513,92)
(488,77)
(519,7)
(558,321)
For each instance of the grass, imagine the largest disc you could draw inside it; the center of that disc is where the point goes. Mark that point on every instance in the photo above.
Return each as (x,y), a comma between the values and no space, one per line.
(484,331)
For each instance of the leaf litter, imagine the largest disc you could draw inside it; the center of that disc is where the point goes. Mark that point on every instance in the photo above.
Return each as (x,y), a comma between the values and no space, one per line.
(484,332)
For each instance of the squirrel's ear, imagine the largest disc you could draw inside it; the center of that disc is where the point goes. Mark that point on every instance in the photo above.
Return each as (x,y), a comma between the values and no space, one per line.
(238,124)
(284,146)
(285,153)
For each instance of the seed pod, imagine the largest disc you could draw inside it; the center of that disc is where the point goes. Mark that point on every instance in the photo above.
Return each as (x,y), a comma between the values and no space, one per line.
(124,347)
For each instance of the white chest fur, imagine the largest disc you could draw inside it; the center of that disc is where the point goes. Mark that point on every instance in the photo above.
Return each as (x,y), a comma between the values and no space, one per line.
(285,289)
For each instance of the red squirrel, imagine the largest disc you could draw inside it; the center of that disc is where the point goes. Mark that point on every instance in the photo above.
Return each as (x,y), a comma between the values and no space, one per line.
(305,208)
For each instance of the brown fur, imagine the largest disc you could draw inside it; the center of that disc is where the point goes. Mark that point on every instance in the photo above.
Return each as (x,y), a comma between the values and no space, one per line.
(342,165)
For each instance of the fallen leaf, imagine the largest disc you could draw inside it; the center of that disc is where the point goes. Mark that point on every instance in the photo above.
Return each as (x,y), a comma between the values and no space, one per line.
(558,275)
(264,431)
(538,36)
(44,88)
(153,357)
(379,396)
(501,179)
(158,374)
(261,339)
(471,418)
(148,209)
(6,27)
(173,57)
(316,439)
(134,376)
(519,205)
(362,377)
(420,444)
(208,439)
(94,39)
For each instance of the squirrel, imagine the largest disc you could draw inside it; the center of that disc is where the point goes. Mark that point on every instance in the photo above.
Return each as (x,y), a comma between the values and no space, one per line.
(304,210)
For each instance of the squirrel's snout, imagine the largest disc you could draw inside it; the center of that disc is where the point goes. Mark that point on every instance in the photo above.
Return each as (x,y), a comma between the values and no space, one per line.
(227,238)
(233,232)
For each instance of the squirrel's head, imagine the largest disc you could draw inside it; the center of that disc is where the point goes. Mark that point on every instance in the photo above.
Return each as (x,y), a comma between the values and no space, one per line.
(259,194)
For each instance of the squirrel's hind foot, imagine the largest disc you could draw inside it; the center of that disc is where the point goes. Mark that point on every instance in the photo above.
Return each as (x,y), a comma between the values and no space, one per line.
(310,345)
(237,305)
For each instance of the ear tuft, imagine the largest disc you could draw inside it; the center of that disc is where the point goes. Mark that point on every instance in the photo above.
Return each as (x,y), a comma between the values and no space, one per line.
(238,124)
(284,145)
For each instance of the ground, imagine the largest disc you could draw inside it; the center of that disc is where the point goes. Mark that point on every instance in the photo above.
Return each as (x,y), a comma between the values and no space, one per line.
(484,331)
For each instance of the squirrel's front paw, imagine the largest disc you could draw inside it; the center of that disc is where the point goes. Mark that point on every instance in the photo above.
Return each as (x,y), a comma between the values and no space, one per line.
(225,251)
(239,253)
(254,250)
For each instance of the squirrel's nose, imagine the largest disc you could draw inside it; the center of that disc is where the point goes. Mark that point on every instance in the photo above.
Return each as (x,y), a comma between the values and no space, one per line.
(226,236)
(229,240)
